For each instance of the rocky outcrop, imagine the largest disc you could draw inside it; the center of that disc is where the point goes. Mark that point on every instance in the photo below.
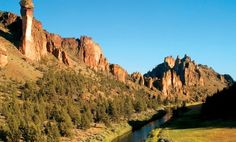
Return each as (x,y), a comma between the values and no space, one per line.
(85,49)
(169,61)
(53,41)
(137,78)
(33,40)
(70,45)
(179,76)
(119,73)
(7,18)
(32,46)
(190,73)
(91,54)
(56,45)
(149,82)
(36,43)
(3,57)
(171,82)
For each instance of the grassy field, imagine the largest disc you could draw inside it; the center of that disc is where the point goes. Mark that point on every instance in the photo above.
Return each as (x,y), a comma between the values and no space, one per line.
(190,128)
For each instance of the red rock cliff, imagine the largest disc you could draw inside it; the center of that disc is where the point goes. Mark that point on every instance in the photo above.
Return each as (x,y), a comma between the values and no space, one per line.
(39,43)
(138,78)
(91,54)
(119,73)
(33,40)
(181,75)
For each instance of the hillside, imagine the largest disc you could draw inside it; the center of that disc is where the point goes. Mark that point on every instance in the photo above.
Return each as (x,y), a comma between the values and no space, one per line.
(62,89)
(185,77)
(57,96)
(221,105)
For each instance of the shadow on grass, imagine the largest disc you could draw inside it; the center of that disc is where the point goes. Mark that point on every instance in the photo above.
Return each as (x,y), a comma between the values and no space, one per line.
(193,119)
(139,124)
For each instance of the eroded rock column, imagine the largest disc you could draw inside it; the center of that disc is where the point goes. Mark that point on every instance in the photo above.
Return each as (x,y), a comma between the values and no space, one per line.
(27,10)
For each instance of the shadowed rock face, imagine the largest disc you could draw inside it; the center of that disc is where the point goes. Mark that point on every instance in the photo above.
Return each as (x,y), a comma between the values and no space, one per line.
(179,76)
(3,57)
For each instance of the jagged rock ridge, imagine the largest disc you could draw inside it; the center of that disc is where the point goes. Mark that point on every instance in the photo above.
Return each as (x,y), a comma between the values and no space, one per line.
(181,76)
(41,42)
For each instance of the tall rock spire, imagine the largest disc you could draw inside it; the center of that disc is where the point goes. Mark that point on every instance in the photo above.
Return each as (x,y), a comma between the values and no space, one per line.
(33,39)
(27,13)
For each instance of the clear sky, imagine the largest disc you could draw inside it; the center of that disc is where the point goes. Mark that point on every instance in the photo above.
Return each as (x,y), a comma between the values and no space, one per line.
(138,34)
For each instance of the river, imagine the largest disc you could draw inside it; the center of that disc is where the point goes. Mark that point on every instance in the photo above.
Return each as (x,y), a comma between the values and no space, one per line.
(140,135)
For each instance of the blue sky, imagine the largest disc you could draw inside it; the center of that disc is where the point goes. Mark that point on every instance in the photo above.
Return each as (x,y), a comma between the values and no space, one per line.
(138,34)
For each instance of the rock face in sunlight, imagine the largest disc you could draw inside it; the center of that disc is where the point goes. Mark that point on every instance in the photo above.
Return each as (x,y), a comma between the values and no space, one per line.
(137,78)
(169,62)
(55,44)
(33,40)
(180,76)
(119,73)
(3,57)
(91,54)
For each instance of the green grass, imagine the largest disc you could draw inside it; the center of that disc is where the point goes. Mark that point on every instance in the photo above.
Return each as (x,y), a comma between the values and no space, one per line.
(116,132)
(190,128)
(153,136)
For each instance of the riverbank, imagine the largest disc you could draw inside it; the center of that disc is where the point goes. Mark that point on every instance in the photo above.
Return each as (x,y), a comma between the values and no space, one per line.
(190,127)
(101,133)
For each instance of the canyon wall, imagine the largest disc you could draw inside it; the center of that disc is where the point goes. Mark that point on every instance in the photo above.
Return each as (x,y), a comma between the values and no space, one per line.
(35,43)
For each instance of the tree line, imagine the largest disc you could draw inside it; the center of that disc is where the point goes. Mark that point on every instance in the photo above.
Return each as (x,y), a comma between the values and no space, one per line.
(54,105)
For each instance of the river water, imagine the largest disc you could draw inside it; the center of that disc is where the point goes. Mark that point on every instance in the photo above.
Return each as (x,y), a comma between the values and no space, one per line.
(141,134)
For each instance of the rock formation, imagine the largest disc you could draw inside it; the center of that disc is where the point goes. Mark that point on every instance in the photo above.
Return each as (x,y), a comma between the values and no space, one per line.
(181,75)
(91,54)
(149,82)
(137,78)
(169,61)
(55,44)
(33,41)
(85,49)
(119,73)
(3,57)
(41,42)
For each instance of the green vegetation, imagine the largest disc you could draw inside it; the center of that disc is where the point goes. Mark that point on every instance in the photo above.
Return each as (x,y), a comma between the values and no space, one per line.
(62,101)
(190,127)
(153,136)
(221,105)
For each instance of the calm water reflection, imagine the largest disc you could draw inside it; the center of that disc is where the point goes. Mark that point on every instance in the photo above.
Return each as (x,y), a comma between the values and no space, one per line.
(141,135)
